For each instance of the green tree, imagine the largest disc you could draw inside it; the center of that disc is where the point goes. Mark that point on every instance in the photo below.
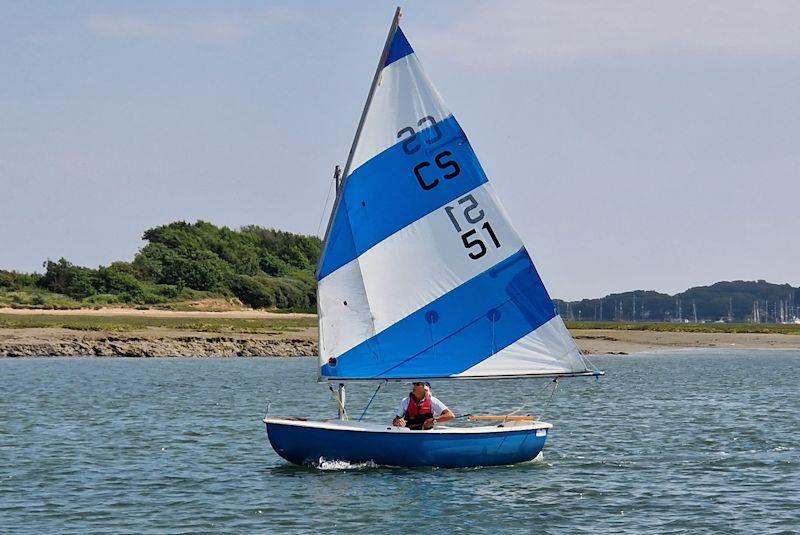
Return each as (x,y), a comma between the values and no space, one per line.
(65,278)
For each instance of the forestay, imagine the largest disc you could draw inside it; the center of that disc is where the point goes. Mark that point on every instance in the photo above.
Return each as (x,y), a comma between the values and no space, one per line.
(422,274)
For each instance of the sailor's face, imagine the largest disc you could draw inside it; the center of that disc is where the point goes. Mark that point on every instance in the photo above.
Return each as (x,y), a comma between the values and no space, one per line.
(419,390)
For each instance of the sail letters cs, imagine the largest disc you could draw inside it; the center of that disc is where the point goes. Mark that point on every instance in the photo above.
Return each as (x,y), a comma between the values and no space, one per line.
(443,160)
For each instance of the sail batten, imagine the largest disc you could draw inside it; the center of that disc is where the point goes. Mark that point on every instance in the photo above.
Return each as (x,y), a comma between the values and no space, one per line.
(422,274)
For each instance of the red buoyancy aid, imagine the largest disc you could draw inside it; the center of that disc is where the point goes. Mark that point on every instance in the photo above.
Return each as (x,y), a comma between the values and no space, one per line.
(418,411)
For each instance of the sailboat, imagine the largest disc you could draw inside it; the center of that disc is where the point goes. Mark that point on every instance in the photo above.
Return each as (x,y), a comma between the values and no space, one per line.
(421,277)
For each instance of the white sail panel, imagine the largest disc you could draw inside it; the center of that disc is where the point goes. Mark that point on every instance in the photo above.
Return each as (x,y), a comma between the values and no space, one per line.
(404,98)
(547,350)
(343,311)
(414,267)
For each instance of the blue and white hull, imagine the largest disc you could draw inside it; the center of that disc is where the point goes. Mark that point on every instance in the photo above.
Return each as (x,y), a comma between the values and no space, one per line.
(308,442)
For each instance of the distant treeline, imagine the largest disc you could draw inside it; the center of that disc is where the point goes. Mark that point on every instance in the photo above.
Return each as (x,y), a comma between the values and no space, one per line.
(263,268)
(731,301)
(266,268)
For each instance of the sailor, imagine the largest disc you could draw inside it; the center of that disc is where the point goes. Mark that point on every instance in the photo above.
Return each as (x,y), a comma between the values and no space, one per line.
(420,410)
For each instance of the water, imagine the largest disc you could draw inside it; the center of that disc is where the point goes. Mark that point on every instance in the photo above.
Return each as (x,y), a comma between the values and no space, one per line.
(690,441)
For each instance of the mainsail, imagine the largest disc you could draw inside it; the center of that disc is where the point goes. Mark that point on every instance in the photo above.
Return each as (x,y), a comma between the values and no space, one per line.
(422,274)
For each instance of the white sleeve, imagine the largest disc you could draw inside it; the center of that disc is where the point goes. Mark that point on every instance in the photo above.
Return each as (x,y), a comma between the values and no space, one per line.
(437,406)
(403,406)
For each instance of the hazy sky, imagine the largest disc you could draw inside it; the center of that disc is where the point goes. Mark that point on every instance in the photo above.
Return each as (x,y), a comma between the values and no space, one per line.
(635,145)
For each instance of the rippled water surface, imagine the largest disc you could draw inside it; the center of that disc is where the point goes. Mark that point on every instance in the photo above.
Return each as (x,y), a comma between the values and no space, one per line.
(695,441)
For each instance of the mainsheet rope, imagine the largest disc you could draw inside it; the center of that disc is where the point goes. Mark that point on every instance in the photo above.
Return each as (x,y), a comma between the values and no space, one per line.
(549,399)
(554,383)
(547,403)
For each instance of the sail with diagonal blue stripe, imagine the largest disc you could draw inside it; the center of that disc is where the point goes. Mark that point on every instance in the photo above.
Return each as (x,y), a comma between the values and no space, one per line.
(422,275)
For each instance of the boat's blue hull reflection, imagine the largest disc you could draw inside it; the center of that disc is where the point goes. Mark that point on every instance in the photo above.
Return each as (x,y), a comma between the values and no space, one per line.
(306,442)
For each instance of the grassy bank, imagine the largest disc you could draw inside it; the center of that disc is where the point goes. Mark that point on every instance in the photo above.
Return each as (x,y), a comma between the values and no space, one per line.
(139,323)
(289,323)
(758,328)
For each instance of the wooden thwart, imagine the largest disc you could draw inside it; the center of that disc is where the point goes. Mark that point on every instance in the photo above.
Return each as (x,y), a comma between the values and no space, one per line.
(506,418)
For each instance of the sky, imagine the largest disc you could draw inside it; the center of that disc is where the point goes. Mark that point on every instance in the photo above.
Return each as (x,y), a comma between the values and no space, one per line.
(634,144)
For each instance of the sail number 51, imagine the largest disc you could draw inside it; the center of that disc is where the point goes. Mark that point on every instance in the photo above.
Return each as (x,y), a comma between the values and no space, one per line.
(473,215)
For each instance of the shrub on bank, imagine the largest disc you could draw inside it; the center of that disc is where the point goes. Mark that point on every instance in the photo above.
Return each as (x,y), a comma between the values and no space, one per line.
(263,268)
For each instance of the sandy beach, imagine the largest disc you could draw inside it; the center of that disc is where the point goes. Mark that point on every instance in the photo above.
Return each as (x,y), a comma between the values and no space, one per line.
(158,341)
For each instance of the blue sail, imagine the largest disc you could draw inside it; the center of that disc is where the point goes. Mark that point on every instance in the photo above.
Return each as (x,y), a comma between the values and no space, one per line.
(422,274)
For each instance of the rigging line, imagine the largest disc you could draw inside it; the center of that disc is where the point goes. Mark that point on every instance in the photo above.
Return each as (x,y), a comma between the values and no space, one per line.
(588,364)
(325,207)
(512,413)
(433,342)
(547,404)
(515,411)
(493,344)
(338,402)
(370,400)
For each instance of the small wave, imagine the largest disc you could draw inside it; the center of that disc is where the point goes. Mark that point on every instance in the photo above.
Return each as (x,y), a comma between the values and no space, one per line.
(539,458)
(536,460)
(324,464)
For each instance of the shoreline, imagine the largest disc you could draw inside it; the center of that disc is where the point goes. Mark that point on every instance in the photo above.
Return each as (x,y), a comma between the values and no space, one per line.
(620,342)
(155,313)
(153,342)
(283,335)
(43,342)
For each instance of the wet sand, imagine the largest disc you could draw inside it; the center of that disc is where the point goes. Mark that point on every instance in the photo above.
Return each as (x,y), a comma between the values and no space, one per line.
(610,341)
(154,342)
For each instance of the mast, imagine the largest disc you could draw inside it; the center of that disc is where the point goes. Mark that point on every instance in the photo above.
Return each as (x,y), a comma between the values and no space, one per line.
(392,29)
(341,177)
(341,181)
